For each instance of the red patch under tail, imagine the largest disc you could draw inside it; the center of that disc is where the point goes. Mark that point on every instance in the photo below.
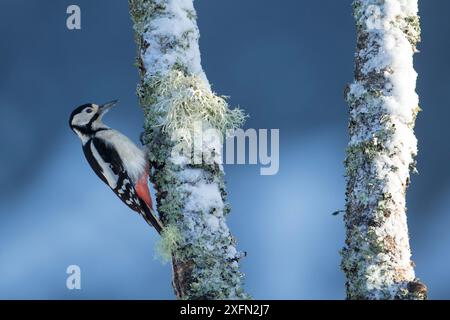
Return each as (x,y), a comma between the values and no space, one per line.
(142,190)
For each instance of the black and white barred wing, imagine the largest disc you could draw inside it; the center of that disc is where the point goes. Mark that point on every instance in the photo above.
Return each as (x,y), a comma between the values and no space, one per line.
(108,166)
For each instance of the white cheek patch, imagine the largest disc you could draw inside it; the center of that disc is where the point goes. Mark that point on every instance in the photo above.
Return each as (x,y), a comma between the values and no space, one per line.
(81,119)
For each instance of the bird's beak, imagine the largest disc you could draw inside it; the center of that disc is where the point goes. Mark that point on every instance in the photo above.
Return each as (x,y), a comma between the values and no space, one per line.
(104,108)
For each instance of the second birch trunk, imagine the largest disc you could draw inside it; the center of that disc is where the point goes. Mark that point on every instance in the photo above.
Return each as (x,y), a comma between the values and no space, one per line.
(383,108)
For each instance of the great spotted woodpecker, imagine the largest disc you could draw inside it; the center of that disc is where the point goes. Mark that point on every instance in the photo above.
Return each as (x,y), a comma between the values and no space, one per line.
(116,160)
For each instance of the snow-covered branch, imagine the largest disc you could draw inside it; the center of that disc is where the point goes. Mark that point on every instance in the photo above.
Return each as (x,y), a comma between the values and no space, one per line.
(176,97)
(383,108)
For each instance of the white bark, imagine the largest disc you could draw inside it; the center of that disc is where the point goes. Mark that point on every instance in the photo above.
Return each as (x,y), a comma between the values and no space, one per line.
(383,107)
(176,95)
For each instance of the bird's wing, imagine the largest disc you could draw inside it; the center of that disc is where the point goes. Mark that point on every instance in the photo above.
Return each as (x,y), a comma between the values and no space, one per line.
(112,169)
(108,165)
(104,161)
(87,149)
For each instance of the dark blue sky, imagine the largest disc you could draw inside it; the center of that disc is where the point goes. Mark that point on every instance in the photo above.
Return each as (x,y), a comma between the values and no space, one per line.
(286,63)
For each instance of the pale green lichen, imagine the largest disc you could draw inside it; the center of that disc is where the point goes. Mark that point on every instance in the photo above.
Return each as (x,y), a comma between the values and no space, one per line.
(168,243)
(184,101)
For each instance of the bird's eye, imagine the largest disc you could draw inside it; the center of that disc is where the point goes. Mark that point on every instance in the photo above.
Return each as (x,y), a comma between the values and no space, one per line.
(89,110)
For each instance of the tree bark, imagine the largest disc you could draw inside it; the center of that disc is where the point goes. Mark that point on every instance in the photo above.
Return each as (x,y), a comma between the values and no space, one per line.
(176,97)
(383,108)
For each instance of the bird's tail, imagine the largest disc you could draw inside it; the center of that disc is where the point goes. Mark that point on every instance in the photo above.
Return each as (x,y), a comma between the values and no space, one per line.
(152,219)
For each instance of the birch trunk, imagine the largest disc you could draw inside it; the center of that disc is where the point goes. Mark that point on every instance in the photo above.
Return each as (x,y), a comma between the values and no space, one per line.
(176,97)
(383,108)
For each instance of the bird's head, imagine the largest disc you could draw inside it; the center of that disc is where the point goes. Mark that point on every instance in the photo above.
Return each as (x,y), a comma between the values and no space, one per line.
(87,118)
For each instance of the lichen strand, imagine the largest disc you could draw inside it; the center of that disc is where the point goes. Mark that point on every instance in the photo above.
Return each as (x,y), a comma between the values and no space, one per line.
(184,101)
(383,108)
(191,199)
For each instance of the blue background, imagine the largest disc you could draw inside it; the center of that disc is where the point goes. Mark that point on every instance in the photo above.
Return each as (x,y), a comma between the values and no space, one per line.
(286,63)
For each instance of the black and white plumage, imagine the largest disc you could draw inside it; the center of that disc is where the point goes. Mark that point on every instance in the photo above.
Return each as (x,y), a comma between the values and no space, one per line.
(115,159)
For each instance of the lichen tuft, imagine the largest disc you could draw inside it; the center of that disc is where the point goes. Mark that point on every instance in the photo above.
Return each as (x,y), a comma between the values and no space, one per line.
(185,100)
(170,238)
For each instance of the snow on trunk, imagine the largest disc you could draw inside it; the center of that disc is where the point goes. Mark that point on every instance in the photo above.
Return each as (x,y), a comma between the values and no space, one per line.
(176,97)
(383,108)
